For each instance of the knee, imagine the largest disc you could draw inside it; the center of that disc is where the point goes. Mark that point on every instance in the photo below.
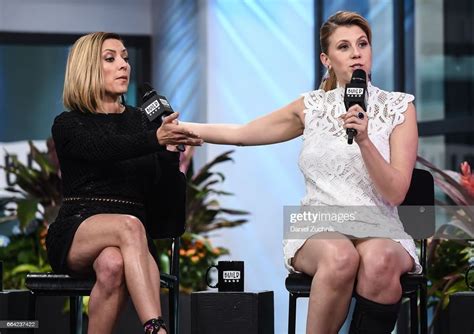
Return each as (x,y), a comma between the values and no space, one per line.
(109,270)
(341,266)
(132,230)
(380,269)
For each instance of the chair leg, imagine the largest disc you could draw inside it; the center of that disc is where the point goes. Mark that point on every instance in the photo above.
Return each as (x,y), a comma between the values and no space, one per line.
(173,300)
(75,314)
(423,310)
(176,309)
(32,309)
(292,314)
(171,311)
(413,313)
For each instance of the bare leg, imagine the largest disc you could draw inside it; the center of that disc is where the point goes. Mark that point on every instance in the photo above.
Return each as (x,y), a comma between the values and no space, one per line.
(332,260)
(154,276)
(382,262)
(128,234)
(109,292)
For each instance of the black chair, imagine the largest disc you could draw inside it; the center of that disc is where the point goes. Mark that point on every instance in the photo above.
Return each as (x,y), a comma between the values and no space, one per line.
(166,210)
(417,215)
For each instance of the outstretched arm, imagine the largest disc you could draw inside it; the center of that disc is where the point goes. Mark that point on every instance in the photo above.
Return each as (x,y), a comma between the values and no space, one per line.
(281,125)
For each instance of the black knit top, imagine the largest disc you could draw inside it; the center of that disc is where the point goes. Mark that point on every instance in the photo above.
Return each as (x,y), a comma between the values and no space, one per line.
(107,155)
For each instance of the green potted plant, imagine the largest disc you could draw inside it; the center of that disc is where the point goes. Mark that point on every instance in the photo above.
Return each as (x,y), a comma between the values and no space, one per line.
(451,250)
(204,214)
(36,197)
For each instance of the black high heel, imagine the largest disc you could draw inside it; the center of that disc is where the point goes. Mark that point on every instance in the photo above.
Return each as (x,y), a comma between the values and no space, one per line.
(152,326)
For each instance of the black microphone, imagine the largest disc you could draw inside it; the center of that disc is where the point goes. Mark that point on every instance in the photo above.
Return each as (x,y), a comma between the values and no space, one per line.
(156,107)
(355,93)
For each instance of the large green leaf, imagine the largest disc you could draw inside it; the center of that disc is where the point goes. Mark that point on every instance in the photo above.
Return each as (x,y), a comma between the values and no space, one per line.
(26,211)
(25,268)
(42,159)
(204,212)
(234,212)
(204,173)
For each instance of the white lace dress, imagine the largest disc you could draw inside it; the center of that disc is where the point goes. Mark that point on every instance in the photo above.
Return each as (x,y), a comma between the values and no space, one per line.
(335,173)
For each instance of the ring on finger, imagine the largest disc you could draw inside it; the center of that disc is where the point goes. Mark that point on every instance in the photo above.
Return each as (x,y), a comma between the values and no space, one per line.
(360,115)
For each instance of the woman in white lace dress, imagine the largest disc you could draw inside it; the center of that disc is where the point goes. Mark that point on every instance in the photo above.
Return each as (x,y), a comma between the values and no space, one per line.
(376,172)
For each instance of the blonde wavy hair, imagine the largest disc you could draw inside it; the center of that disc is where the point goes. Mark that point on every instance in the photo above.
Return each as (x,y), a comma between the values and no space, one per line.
(341,18)
(84,82)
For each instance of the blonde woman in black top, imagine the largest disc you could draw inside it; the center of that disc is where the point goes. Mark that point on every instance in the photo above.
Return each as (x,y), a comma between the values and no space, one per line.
(108,153)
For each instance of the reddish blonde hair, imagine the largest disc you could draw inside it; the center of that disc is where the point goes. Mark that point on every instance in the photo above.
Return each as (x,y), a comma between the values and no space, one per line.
(337,20)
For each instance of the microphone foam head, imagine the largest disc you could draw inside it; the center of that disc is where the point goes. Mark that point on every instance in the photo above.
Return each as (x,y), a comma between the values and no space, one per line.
(359,75)
(145,90)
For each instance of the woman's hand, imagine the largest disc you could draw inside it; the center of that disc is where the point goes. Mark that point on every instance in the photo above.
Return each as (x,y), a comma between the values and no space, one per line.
(357,119)
(171,133)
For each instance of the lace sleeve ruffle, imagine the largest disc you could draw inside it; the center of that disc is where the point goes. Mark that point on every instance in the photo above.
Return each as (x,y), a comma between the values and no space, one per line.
(314,107)
(313,101)
(398,104)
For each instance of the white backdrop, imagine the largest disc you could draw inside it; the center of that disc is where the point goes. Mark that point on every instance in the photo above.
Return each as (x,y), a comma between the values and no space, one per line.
(260,56)
(76,16)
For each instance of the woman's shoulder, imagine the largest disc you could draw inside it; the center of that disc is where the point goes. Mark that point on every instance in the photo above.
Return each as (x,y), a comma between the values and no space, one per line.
(68,115)
(388,107)
(316,99)
(313,94)
(65,123)
(79,114)
(392,98)
(73,120)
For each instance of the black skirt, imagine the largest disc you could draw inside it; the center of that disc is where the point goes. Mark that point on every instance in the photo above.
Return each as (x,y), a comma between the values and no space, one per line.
(71,215)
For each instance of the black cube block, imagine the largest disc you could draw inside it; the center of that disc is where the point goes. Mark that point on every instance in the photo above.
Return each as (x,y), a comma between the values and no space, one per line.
(461,308)
(15,305)
(232,312)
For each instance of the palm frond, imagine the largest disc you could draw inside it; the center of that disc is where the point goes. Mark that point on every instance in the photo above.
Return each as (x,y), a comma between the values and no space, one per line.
(450,184)
(204,173)
(204,212)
